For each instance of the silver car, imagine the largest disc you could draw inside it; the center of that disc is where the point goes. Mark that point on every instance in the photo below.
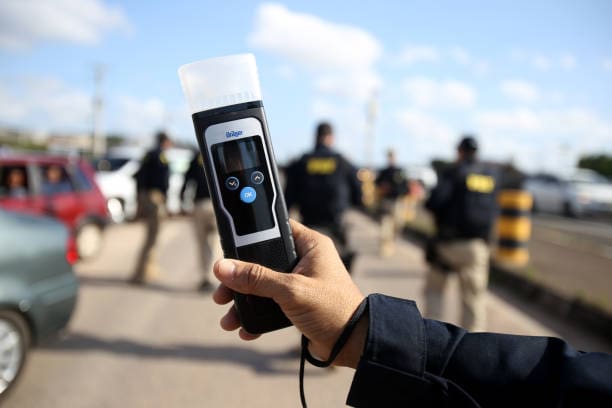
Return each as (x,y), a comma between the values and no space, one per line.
(582,192)
(38,289)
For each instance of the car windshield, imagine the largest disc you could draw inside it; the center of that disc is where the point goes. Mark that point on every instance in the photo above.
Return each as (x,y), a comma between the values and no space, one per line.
(109,163)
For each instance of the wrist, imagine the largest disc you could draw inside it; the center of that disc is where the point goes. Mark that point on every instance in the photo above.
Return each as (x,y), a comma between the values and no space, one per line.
(352,351)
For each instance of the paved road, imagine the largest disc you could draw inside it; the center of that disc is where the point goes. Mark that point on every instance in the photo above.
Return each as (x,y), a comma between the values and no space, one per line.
(160,345)
(589,235)
(574,258)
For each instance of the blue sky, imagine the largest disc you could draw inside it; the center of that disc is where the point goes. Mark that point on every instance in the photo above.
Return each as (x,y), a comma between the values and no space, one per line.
(533,81)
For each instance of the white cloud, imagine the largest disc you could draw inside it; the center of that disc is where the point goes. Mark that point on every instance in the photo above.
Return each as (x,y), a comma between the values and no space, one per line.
(568,62)
(607,63)
(544,138)
(422,135)
(584,127)
(44,103)
(427,93)
(311,41)
(139,117)
(542,63)
(462,57)
(545,63)
(355,85)
(519,90)
(412,54)
(24,23)
(323,109)
(341,57)
(286,72)
(425,127)
(48,105)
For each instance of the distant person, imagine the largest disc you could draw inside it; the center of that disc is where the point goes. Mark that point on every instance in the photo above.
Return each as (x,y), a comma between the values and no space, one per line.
(392,186)
(152,180)
(204,221)
(16,183)
(403,360)
(323,185)
(55,181)
(464,206)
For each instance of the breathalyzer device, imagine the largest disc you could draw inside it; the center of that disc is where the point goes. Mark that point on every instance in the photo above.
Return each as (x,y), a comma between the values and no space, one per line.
(224,97)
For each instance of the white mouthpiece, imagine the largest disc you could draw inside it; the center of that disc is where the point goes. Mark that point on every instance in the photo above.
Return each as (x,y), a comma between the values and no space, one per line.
(218,82)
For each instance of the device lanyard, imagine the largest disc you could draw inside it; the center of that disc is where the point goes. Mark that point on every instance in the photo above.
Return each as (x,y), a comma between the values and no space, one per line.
(342,339)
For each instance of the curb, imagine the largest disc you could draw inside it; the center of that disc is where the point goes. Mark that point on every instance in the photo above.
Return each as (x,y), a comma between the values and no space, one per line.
(580,313)
(583,315)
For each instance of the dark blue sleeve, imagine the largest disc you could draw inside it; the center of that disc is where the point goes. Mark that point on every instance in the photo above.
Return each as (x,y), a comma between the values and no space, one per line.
(353,182)
(442,193)
(410,361)
(292,185)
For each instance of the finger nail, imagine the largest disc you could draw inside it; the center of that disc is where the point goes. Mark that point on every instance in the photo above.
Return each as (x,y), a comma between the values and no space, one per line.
(226,269)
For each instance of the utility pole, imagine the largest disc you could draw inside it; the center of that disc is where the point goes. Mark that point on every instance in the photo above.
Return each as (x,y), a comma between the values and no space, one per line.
(371,113)
(98,141)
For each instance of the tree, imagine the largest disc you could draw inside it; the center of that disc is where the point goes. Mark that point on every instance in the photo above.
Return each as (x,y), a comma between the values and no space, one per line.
(600,163)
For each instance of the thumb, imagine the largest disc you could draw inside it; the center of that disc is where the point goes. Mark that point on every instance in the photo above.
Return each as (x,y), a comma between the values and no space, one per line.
(251,279)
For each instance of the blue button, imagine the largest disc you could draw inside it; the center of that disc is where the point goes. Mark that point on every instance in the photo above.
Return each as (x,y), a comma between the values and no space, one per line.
(232,183)
(248,195)
(257,177)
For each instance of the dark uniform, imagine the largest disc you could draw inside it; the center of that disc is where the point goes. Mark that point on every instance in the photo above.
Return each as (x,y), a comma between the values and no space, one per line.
(323,184)
(464,206)
(152,184)
(204,221)
(409,361)
(392,186)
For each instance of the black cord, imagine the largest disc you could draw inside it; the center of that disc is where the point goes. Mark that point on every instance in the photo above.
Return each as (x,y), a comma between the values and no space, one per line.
(342,339)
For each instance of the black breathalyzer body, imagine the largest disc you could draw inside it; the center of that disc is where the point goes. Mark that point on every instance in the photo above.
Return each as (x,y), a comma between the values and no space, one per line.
(247,196)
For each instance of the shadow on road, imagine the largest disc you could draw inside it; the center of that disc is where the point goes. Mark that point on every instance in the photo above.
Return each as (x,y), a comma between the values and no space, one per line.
(260,362)
(100,281)
(392,273)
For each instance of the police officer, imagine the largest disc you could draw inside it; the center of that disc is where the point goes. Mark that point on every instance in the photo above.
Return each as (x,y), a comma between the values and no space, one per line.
(152,184)
(464,207)
(392,188)
(204,221)
(403,360)
(323,184)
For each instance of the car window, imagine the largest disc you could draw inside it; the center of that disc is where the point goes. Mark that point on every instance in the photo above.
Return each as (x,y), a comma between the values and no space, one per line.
(109,163)
(14,181)
(55,180)
(81,180)
(587,177)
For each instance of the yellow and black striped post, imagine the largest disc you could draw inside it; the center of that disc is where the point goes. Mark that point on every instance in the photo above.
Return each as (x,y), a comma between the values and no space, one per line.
(513,227)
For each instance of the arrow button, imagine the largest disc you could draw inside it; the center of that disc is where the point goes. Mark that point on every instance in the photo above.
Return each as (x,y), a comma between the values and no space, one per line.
(257,177)
(232,183)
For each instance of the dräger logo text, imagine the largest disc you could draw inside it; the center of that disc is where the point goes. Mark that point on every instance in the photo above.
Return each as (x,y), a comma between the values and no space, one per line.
(233,133)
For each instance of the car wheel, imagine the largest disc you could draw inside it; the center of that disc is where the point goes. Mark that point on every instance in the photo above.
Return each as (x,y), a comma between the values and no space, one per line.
(89,240)
(116,209)
(14,343)
(569,210)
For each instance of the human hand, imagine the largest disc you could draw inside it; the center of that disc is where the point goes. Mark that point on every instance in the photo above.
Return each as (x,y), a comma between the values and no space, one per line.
(318,297)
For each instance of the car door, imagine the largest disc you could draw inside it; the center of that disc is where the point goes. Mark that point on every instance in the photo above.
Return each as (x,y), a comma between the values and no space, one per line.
(549,194)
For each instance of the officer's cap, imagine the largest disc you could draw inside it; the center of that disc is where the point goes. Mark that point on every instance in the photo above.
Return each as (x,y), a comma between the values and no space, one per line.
(161,137)
(468,143)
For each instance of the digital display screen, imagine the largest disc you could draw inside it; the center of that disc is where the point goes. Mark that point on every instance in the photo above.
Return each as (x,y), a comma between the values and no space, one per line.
(239,155)
(245,183)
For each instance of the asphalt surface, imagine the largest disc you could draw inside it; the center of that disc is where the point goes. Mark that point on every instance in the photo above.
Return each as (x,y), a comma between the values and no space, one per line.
(574,258)
(160,345)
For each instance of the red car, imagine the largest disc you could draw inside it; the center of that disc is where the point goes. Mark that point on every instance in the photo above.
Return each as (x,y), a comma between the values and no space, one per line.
(59,186)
